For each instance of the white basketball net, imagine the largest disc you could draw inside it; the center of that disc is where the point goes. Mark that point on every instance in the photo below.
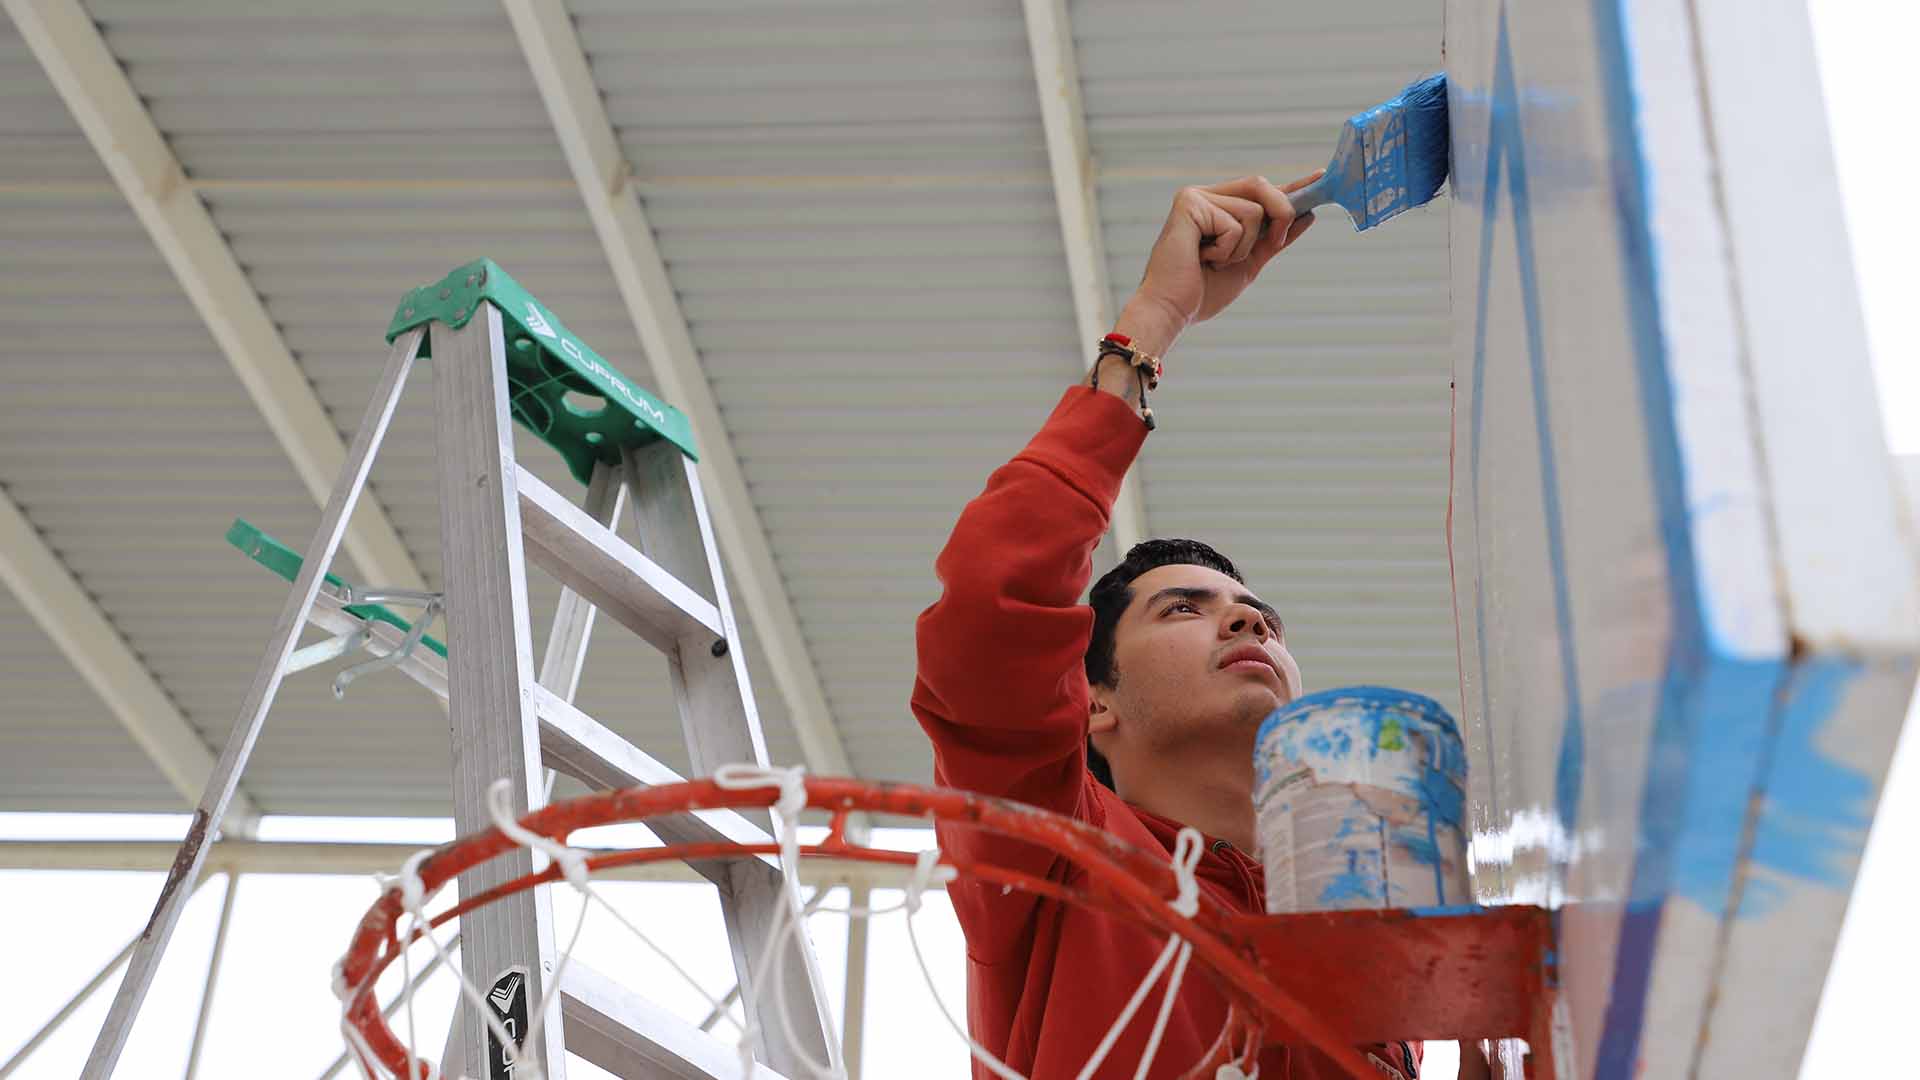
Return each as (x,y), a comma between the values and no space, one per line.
(786,816)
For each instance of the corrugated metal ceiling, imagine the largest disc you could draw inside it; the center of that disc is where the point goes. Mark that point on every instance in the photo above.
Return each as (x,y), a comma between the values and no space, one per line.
(855,208)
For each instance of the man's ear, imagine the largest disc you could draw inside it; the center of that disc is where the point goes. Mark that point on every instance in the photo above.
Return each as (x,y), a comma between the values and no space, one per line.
(1100,717)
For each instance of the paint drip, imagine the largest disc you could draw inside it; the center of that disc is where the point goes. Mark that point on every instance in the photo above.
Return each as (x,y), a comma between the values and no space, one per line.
(1358,797)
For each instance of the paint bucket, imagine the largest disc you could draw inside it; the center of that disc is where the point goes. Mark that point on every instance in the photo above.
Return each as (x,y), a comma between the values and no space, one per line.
(1358,794)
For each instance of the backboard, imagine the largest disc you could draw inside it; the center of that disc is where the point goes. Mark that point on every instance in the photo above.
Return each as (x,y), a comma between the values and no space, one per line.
(1685,602)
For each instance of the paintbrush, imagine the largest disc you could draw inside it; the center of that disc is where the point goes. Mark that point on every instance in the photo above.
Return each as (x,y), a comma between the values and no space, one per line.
(1391,158)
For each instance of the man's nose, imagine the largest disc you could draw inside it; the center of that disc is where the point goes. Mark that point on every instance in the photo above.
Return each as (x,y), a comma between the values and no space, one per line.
(1244,620)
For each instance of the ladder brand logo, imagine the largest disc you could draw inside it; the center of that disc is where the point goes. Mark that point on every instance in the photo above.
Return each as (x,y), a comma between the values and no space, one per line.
(508,1003)
(537,322)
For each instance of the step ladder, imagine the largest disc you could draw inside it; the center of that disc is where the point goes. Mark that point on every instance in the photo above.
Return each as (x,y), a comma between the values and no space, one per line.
(500,356)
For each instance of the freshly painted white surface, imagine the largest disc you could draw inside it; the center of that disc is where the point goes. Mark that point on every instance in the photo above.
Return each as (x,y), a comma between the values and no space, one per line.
(1638,532)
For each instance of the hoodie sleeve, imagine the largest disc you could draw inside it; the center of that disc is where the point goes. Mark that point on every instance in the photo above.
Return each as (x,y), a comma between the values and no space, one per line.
(1001,689)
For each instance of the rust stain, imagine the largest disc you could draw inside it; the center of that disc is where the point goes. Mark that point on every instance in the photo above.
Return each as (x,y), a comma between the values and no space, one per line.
(182,867)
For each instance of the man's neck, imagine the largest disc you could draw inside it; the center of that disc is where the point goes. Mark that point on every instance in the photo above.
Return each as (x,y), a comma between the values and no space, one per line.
(1213,793)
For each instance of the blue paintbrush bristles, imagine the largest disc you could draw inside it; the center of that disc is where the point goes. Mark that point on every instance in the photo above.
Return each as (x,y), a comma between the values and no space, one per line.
(1391,158)
(1428,143)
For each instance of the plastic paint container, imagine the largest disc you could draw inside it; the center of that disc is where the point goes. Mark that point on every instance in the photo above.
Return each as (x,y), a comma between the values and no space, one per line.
(1358,794)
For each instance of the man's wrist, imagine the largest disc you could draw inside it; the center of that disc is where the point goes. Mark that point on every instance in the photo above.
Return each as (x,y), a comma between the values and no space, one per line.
(1151,324)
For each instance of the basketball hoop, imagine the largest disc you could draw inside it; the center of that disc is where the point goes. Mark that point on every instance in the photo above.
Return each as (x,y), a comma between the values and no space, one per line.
(1121,880)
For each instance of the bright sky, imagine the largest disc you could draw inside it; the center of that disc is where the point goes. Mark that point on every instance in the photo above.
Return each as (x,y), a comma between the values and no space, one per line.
(273,1013)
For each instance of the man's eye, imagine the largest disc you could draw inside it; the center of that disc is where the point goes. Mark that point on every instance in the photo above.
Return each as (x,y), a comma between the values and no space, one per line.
(1171,608)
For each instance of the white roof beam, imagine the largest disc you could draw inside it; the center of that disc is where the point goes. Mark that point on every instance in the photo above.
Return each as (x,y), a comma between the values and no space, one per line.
(48,591)
(1076,193)
(656,183)
(601,171)
(90,80)
(364,858)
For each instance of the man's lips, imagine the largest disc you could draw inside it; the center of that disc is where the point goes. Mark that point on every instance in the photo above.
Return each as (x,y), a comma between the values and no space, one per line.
(1249,654)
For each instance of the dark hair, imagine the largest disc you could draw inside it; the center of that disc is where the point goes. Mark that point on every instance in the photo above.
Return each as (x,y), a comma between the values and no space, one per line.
(1109,599)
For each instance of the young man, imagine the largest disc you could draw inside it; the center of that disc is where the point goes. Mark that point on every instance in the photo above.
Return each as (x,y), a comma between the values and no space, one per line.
(1167,674)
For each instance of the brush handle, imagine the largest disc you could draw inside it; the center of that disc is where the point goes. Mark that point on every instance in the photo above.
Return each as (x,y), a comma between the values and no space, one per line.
(1313,196)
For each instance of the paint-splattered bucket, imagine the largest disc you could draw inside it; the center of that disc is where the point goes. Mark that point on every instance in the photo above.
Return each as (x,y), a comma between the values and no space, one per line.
(1357,799)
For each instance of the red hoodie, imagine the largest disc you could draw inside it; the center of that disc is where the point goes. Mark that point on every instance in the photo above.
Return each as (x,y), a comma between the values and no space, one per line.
(1002,692)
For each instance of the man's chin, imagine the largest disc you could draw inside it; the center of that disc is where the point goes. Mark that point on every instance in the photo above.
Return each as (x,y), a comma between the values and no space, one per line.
(1257,703)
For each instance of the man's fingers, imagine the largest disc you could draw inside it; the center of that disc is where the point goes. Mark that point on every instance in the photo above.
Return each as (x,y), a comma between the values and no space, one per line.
(1248,215)
(1278,208)
(1271,242)
(1300,224)
(1304,181)
(1219,252)
(1276,241)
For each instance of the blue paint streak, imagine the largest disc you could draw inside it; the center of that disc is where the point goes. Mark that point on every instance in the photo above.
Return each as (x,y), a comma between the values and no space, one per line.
(1425,850)
(1442,795)
(1422,849)
(1709,738)
(1815,811)
(1354,883)
(1332,744)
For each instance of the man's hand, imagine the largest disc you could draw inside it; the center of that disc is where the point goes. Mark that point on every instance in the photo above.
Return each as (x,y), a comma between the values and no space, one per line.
(1216,241)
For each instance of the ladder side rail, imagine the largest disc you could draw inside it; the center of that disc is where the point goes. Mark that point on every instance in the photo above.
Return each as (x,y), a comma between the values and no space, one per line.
(672,524)
(560,667)
(721,725)
(253,712)
(490,672)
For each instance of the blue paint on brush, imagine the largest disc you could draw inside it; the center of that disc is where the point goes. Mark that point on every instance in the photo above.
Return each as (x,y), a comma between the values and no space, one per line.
(1390,158)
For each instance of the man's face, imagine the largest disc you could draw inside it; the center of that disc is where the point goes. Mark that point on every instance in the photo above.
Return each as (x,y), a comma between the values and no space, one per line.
(1199,656)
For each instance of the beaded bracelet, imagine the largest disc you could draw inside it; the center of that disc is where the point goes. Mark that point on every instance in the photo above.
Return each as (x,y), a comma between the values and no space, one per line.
(1146,368)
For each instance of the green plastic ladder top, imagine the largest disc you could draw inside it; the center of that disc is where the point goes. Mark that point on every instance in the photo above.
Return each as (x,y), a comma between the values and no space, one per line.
(285,561)
(545,363)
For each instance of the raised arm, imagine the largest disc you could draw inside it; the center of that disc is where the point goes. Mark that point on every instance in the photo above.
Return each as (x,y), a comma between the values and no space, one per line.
(1001,689)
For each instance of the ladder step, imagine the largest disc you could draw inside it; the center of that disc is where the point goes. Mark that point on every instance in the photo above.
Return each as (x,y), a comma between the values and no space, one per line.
(585,749)
(605,1021)
(591,559)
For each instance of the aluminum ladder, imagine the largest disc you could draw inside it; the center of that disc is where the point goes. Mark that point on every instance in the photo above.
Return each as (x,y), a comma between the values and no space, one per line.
(500,356)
